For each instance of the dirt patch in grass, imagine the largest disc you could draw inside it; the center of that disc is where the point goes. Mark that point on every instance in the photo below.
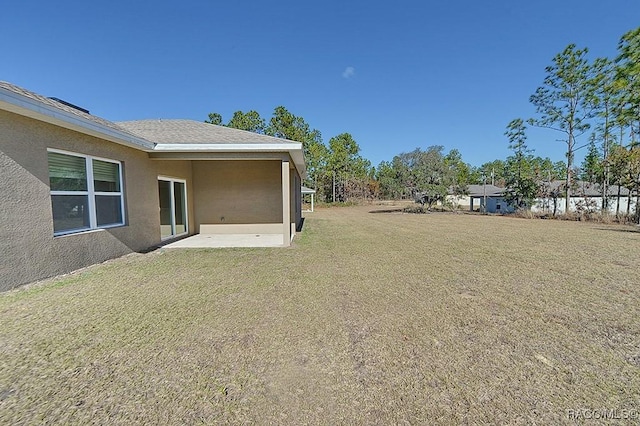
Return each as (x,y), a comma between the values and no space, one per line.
(367,319)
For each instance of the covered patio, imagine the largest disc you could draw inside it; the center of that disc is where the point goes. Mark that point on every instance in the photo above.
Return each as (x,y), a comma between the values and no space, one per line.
(227,241)
(236,188)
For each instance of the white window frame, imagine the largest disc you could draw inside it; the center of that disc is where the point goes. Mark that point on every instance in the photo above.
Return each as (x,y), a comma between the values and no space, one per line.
(91,193)
(172,180)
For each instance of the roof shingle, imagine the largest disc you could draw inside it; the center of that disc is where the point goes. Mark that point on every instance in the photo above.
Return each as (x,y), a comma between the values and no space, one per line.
(195,132)
(60,106)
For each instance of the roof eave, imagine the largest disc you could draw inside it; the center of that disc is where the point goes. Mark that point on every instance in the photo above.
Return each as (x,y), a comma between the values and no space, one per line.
(294,150)
(22,105)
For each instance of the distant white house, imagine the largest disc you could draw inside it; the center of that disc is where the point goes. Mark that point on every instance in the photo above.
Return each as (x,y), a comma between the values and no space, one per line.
(586,196)
(489,199)
(478,194)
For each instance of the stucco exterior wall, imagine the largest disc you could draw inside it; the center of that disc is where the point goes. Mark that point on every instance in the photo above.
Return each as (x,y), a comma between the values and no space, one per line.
(237,192)
(29,250)
(218,192)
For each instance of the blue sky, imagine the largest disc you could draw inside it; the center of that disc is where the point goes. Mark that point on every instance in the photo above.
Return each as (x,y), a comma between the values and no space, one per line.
(396,75)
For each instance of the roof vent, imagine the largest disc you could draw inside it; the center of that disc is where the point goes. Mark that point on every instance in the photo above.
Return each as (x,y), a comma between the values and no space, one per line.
(86,111)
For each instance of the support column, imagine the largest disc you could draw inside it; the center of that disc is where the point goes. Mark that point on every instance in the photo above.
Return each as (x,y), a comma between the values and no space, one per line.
(286,205)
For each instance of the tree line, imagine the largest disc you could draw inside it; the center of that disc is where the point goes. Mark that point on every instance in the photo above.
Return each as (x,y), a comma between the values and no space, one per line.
(599,98)
(337,171)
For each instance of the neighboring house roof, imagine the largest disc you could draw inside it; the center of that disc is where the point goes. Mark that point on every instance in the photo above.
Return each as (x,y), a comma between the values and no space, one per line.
(488,190)
(580,189)
(146,135)
(587,189)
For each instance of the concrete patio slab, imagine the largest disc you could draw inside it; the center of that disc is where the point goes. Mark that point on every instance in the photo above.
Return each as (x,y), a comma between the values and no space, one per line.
(228,240)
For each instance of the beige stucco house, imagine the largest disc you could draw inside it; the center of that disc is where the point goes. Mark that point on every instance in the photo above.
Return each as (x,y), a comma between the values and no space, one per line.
(77,189)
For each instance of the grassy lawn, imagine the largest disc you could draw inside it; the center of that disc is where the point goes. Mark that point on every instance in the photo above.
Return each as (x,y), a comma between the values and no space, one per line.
(370,318)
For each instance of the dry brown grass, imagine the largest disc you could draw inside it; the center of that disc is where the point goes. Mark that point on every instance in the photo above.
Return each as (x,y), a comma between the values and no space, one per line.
(370,318)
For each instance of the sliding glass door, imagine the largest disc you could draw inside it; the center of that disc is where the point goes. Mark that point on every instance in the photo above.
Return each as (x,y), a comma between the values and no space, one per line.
(173,207)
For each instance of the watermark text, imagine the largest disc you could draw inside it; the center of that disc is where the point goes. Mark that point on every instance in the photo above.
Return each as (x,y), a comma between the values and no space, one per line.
(603,414)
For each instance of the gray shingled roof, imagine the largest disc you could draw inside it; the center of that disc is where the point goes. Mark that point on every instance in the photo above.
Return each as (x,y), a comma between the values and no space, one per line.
(54,104)
(580,189)
(586,189)
(195,132)
(153,131)
(491,190)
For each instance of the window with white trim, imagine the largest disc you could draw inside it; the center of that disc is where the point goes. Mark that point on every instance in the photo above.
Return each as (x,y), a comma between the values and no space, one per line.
(86,192)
